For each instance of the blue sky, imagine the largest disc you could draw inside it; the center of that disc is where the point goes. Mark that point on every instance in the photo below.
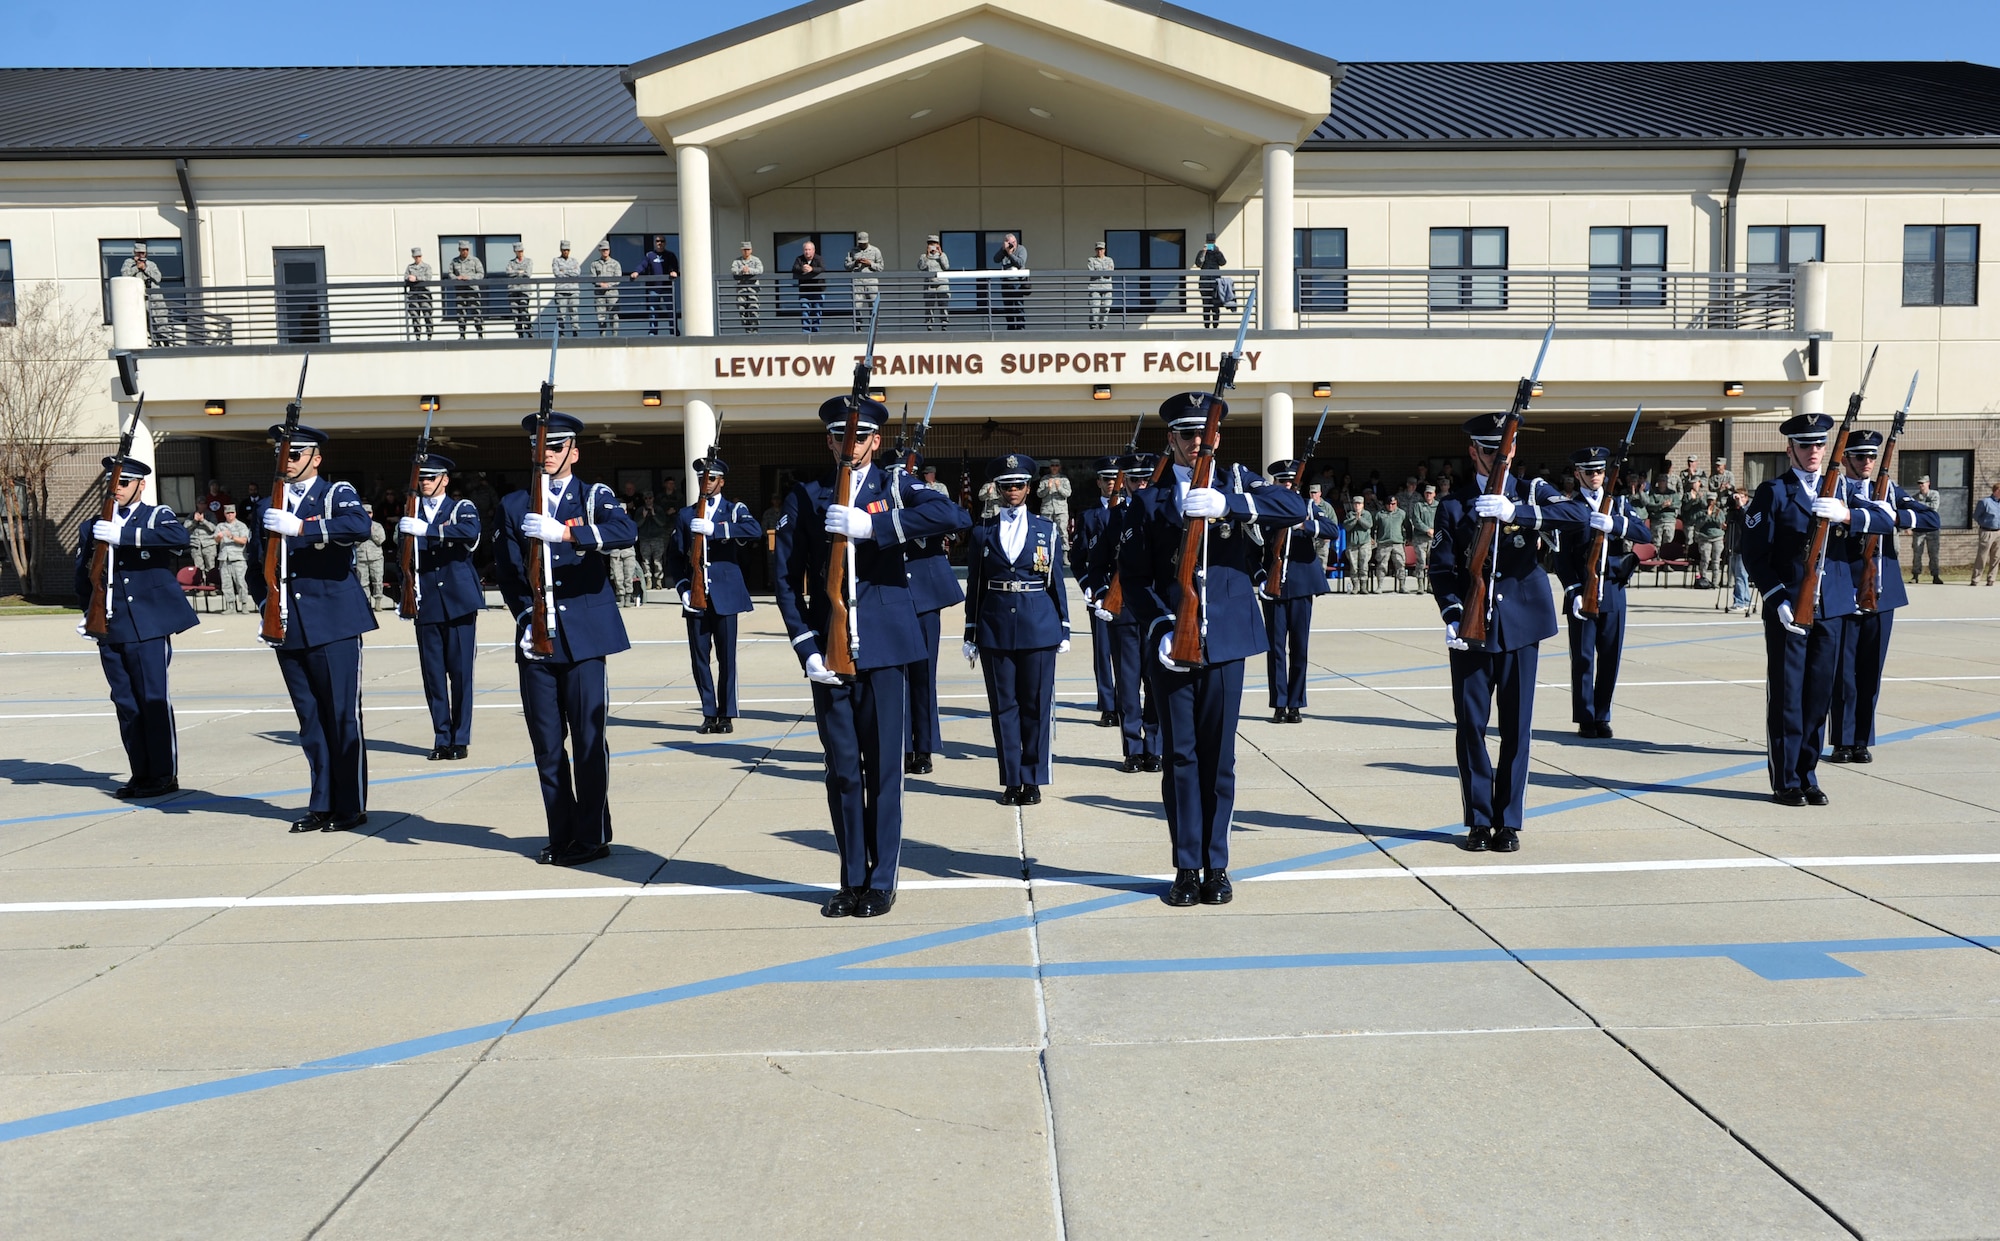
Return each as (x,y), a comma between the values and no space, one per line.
(377,32)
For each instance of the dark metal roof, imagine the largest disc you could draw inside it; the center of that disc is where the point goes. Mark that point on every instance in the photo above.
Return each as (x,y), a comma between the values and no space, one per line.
(1601,104)
(429,110)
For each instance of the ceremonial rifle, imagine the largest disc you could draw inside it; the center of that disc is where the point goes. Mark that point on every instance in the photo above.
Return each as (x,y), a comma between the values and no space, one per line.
(277,568)
(97,621)
(1191,611)
(1829,481)
(1597,554)
(1868,595)
(1281,545)
(541,567)
(1113,599)
(1479,566)
(843,633)
(406,559)
(698,543)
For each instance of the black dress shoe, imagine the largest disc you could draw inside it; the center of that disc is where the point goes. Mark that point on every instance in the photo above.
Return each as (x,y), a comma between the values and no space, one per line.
(1861,754)
(457,752)
(840,904)
(1476,839)
(1789,797)
(577,857)
(1155,763)
(1282,715)
(873,903)
(1011,795)
(1132,763)
(1505,840)
(707,725)
(1841,754)
(346,822)
(1604,732)
(918,764)
(139,790)
(439,753)
(1586,731)
(1295,717)
(1031,795)
(723,724)
(1186,889)
(313,822)
(1815,796)
(1108,719)
(546,856)
(1215,889)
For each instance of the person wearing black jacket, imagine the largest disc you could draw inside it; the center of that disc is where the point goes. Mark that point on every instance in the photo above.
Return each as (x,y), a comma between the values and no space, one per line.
(1211,259)
(809,273)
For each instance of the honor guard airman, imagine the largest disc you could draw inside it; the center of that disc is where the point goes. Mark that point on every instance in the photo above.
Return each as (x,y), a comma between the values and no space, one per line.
(1017,621)
(568,693)
(1138,713)
(1864,637)
(1596,643)
(933,588)
(728,533)
(1520,614)
(1199,703)
(449,600)
(316,529)
(1288,616)
(1091,527)
(1799,661)
(143,610)
(861,724)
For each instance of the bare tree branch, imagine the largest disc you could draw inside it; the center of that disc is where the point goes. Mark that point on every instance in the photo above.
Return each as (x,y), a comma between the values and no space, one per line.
(45,361)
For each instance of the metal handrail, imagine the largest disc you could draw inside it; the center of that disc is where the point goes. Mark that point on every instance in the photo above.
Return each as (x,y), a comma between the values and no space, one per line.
(1595,301)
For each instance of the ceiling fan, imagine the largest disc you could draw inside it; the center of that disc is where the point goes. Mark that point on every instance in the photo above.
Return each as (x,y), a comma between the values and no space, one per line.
(992,425)
(1355,428)
(441,440)
(606,437)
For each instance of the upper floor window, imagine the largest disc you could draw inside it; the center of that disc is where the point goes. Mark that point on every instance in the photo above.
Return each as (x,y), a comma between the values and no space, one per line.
(491,249)
(1320,257)
(1626,251)
(1777,248)
(1139,249)
(162,253)
(1951,478)
(1941,265)
(1480,254)
(6,284)
(975,250)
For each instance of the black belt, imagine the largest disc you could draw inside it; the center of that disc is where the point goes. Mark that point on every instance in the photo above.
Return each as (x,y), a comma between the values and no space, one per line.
(1018,588)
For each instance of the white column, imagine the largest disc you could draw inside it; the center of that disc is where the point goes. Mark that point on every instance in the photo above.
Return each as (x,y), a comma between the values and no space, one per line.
(128,313)
(697,437)
(1275,286)
(697,242)
(1812,400)
(1277,427)
(143,447)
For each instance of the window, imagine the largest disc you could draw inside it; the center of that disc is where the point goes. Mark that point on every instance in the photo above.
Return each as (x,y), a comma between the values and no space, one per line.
(164,252)
(1951,477)
(1941,265)
(177,492)
(1469,250)
(1760,468)
(628,249)
(1776,249)
(1626,251)
(1316,254)
(1135,249)
(6,284)
(832,248)
(491,249)
(974,250)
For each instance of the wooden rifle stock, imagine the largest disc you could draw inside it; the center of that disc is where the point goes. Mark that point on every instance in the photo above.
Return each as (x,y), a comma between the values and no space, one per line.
(406,555)
(541,643)
(1479,566)
(1593,558)
(840,623)
(1187,644)
(272,629)
(1114,594)
(698,560)
(97,616)
(1868,596)
(1829,481)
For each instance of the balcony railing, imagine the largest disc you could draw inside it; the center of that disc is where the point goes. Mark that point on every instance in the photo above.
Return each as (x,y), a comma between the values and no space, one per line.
(1617,301)
(984,303)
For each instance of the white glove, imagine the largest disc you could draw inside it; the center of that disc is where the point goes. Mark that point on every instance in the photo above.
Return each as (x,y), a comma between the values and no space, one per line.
(1451,638)
(816,670)
(1600,521)
(82,632)
(1166,654)
(544,527)
(527,636)
(282,521)
(1832,510)
(970,652)
(687,607)
(701,525)
(1494,506)
(1785,618)
(413,525)
(853,522)
(1576,605)
(1204,502)
(106,531)
(1062,647)
(1098,611)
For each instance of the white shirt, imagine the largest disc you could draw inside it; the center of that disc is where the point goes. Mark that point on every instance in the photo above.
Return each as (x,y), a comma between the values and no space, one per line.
(553,489)
(1592,498)
(1810,481)
(1013,531)
(431,506)
(1183,477)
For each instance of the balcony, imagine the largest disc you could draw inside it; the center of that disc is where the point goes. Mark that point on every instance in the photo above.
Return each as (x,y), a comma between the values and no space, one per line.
(1361,300)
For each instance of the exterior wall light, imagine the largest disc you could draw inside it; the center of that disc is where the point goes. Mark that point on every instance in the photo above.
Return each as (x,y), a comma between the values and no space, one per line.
(1322,387)
(878,394)
(1100,392)
(1733,388)
(1536,391)
(650,398)
(214,408)
(429,405)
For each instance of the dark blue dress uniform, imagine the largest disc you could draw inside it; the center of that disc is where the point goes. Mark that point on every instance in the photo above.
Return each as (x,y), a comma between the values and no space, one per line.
(1864,636)
(1092,527)
(449,601)
(1799,667)
(1597,643)
(712,630)
(1017,616)
(1288,618)
(1494,797)
(933,587)
(145,609)
(1199,706)
(327,611)
(861,722)
(569,693)
(1138,714)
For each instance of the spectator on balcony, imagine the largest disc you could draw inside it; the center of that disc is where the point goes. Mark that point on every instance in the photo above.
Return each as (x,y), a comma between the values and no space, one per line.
(937,289)
(747,271)
(1099,287)
(866,261)
(519,295)
(466,273)
(418,277)
(606,289)
(1360,528)
(1211,259)
(658,270)
(566,289)
(809,273)
(1012,260)
(156,301)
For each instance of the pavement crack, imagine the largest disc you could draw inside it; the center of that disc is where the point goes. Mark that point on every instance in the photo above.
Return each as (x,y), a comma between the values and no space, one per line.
(841,1094)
